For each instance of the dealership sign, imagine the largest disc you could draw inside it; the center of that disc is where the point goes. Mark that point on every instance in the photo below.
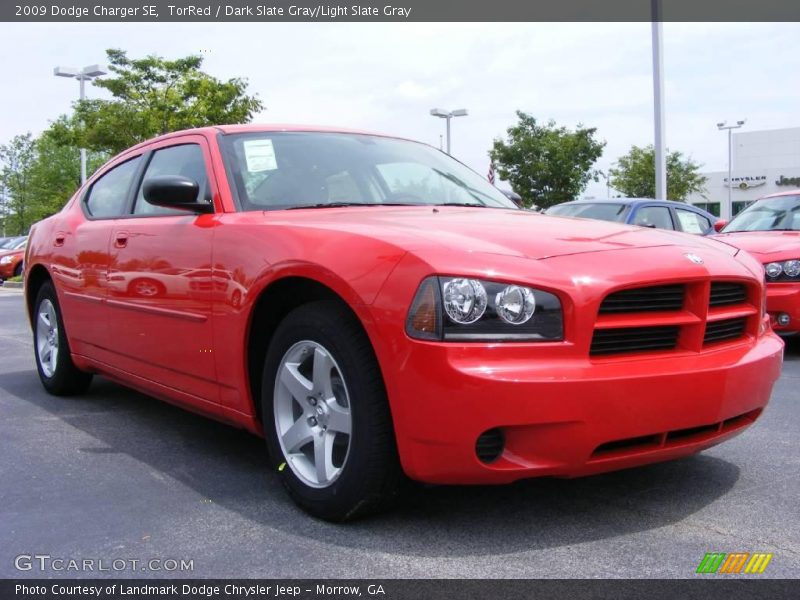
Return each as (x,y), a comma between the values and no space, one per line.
(791,181)
(746,182)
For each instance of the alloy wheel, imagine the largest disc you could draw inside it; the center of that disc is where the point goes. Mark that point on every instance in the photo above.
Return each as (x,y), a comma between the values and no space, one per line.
(312,413)
(47,337)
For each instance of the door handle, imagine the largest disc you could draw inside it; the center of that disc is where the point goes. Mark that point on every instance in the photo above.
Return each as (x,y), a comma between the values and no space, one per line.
(121,239)
(59,239)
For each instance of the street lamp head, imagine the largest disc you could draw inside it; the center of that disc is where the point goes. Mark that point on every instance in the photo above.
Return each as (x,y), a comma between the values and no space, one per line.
(66,72)
(461,112)
(94,71)
(740,123)
(721,124)
(439,112)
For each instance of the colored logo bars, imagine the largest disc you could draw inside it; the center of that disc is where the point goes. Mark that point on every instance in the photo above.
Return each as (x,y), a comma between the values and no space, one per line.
(736,562)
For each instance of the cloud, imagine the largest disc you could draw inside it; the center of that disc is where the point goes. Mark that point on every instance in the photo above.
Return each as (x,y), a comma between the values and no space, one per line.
(386,77)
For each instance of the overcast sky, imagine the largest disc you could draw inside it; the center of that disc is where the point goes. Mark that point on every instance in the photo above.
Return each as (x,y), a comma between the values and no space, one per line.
(386,77)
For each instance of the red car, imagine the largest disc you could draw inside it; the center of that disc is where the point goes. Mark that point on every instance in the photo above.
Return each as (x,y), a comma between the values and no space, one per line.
(398,315)
(770,230)
(11,259)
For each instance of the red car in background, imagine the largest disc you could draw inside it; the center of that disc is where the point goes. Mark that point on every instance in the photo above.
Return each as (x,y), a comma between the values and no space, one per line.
(11,258)
(770,230)
(386,313)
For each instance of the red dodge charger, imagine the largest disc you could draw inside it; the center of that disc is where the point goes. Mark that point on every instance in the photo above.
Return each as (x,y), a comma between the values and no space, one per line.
(377,310)
(770,230)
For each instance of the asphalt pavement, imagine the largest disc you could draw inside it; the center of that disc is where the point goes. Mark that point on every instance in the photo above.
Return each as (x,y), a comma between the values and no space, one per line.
(114,474)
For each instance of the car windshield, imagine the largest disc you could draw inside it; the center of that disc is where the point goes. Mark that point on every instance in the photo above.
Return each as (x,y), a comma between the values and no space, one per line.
(605,211)
(284,170)
(770,214)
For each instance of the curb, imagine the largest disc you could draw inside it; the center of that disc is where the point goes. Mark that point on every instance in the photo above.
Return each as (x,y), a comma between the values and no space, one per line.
(11,285)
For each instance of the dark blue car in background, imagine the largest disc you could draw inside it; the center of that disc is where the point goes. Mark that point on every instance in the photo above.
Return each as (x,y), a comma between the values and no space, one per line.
(645,212)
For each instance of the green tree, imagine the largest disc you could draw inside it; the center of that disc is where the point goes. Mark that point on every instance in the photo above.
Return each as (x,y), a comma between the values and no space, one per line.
(38,176)
(54,174)
(17,157)
(546,164)
(635,175)
(152,96)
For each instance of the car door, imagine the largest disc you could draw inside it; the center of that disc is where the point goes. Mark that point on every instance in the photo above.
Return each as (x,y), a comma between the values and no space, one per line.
(80,255)
(653,215)
(160,323)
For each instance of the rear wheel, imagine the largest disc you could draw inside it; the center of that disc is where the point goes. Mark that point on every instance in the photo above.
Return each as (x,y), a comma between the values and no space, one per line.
(326,416)
(57,372)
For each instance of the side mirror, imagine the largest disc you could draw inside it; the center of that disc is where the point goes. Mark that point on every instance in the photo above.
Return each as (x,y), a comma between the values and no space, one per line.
(719,225)
(175,191)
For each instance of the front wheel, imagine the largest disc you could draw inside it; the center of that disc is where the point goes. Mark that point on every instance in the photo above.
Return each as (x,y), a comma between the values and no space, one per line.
(57,372)
(326,416)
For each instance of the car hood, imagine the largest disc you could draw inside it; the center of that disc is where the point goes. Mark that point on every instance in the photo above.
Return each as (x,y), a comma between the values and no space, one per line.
(491,231)
(11,252)
(765,243)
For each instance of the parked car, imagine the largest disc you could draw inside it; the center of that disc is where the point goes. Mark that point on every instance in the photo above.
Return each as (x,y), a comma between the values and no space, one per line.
(399,316)
(9,242)
(645,212)
(11,258)
(770,230)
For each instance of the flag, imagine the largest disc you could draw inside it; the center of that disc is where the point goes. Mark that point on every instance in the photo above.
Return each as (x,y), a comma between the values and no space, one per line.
(491,173)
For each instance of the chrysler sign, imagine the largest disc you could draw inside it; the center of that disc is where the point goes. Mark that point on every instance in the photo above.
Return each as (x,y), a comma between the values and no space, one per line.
(746,182)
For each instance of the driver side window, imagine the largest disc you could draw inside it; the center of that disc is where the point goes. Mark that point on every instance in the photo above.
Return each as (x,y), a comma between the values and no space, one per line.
(185,160)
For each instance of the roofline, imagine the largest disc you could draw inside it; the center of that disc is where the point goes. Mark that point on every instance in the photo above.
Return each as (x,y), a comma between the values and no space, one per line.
(781,193)
(232,129)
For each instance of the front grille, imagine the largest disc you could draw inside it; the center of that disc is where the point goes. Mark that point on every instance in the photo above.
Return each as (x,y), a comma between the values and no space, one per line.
(724,293)
(634,339)
(646,299)
(721,331)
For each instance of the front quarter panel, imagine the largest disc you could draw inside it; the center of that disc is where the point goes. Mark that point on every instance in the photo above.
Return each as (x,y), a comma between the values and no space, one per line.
(260,248)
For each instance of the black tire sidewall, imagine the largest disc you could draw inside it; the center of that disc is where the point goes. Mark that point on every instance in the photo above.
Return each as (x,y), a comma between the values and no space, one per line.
(63,379)
(328,327)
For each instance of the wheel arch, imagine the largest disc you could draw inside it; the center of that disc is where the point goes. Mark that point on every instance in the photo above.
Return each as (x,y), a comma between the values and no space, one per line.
(269,308)
(36,277)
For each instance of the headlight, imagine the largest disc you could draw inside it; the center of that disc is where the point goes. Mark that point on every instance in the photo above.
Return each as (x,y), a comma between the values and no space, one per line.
(792,268)
(461,308)
(787,270)
(5,260)
(464,300)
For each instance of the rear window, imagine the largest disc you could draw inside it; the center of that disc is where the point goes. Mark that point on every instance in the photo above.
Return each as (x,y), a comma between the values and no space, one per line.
(588,210)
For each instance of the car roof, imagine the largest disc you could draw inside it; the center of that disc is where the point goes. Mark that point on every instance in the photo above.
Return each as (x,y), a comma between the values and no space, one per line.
(781,194)
(629,201)
(260,128)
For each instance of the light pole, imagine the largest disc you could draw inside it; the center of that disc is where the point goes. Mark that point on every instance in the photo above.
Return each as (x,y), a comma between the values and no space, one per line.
(82,75)
(448,114)
(726,211)
(658,102)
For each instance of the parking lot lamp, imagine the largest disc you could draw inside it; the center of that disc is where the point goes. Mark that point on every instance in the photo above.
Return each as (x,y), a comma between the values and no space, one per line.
(82,75)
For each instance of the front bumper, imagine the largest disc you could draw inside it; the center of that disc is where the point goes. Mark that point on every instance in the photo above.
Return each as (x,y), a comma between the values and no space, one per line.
(7,271)
(784,298)
(569,417)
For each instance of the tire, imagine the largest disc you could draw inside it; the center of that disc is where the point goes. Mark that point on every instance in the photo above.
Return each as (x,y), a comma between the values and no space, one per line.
(57,372)
(364,472)
(18,270)
(146,288)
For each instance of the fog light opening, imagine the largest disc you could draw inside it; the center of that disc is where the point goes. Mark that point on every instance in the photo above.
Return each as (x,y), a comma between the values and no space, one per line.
(783,319)
(490,445)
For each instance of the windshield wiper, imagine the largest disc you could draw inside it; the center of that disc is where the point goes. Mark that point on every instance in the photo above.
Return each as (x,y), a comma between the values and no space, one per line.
(478,204)
(346,204)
